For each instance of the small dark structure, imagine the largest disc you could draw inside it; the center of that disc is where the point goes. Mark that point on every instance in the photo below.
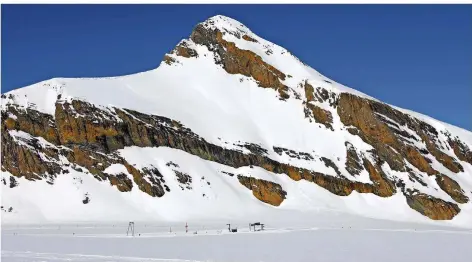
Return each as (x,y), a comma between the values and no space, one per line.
(253,225)
(232,230)
(130,229)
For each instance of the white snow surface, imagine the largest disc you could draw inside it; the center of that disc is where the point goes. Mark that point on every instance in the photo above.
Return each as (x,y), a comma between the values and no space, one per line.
(225,110)
(333,239)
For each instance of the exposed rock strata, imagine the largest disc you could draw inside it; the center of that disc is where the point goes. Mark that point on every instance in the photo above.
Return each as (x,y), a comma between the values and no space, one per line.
(434,208)
(266,191)
(452,188)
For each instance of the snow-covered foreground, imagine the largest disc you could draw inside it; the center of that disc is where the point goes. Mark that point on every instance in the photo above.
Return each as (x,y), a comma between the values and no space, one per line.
(326,238)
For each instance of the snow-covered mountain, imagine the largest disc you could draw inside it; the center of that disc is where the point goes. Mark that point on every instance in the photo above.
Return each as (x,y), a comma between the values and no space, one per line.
(228,126)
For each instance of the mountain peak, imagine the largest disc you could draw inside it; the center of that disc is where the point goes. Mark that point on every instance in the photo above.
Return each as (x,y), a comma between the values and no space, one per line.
(228,106)
(225,23)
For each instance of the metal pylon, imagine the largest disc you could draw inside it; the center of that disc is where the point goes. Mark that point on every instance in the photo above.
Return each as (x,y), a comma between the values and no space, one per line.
(130,229)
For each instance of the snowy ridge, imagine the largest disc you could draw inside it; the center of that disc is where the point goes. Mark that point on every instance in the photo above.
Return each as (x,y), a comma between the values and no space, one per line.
(275,55)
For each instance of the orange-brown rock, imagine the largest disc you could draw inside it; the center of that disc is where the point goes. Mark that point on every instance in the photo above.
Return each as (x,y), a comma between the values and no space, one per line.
(443,158)
(94,162)
(185,51)
(137,130)
(434,208)
(309,92)
(371,118)
(428,134)
(419,161)
(266,191)
(153,190)
(28,164)
(321,116)
(383,186)
(250,39)
(353,161)
(25,159)
(283,93)
(78,130)
(10,123)
(294,173)
(97,163)
(32,122)
(452,188)
(334,185)
(248,63)
(357,112)
(238,61)
(461,150)
(168,60)
(122,182)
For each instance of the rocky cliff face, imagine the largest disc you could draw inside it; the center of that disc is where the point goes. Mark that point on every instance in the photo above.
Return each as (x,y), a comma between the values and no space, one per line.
(397,153)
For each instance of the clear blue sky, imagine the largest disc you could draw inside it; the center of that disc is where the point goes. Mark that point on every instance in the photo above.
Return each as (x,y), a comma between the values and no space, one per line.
(417,57)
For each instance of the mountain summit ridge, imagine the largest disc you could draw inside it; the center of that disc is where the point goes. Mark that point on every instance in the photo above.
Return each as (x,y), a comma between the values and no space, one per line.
(228,118)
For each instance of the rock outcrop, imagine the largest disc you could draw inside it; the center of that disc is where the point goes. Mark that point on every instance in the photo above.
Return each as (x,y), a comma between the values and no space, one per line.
(238,61)
(432,207)
(320,115)
(266,191)
(452,188)
(353,161)
(461,150)
(380,126)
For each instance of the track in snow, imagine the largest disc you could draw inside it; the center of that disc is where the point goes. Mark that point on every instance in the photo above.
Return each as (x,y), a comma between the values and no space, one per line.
(31,256)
